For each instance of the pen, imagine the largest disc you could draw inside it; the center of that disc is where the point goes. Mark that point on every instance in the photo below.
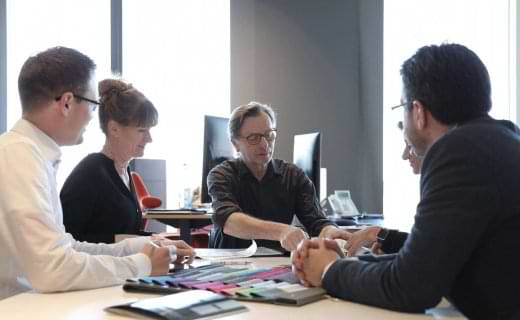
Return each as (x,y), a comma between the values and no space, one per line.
(339,251)
(340,247)
(173,255)
(154,244)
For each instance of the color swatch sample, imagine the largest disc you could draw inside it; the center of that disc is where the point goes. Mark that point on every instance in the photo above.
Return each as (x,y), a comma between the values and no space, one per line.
(273,285)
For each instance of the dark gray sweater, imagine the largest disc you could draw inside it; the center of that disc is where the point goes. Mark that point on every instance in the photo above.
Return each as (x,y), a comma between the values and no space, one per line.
(465,240)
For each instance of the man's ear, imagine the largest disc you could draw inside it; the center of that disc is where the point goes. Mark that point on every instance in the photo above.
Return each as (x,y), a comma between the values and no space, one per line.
(235,145)
(64,103)
(419,114)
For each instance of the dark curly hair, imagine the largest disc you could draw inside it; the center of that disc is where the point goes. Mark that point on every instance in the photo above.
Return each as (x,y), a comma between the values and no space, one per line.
(450,80)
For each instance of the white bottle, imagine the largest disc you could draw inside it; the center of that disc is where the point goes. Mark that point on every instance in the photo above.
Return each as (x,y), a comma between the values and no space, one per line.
(187,193)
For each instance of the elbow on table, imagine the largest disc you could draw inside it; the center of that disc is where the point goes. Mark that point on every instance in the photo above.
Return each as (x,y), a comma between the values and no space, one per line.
(51,279)
(402,303)
(46,284)
(419,302)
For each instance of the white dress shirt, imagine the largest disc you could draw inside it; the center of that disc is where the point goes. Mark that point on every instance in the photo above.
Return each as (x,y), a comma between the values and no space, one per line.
(35,250)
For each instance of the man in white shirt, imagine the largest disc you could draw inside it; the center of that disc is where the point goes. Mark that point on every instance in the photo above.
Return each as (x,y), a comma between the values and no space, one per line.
(58,97)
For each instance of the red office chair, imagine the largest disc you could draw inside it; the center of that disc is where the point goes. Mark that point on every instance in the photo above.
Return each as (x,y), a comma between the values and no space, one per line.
(146,201)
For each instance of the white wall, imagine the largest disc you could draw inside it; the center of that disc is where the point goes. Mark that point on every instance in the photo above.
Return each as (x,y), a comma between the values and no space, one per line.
(319,64)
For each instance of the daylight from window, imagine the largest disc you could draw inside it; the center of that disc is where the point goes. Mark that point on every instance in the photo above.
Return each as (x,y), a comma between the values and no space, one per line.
(486,27)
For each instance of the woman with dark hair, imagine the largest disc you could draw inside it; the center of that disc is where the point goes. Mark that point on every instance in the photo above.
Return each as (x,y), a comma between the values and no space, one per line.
(98,197)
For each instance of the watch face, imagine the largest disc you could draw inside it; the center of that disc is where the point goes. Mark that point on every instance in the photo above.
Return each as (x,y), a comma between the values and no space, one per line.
(382,234)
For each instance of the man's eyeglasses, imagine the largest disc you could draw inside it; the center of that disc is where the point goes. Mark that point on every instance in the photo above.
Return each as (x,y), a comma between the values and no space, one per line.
(399,106)
(93,103)
(255,138)
(411,151)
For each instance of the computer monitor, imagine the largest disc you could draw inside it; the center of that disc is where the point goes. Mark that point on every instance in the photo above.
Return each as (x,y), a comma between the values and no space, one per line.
(306,155)
(217,148)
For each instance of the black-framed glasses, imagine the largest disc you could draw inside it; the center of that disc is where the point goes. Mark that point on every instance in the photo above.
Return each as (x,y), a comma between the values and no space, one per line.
(399,106)
(255,138)
(408,149)
(93,103)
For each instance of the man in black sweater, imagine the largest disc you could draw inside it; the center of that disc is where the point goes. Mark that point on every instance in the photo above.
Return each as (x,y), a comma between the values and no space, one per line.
(465,237)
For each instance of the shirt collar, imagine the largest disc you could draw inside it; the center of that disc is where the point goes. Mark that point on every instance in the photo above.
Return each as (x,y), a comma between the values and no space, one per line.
(50,149)
(276,166)
(272,168)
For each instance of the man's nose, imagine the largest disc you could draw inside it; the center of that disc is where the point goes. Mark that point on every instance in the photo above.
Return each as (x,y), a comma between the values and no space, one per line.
(263,142)
(406,153)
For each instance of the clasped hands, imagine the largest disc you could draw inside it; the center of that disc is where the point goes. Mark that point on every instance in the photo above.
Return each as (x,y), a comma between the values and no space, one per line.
(312,256)
(310,259)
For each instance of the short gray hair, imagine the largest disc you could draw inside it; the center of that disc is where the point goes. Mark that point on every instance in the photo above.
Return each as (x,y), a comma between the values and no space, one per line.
(241,113)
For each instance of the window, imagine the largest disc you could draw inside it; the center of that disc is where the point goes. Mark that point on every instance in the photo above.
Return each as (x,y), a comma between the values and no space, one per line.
(486,27)
(33,26)
(178,54)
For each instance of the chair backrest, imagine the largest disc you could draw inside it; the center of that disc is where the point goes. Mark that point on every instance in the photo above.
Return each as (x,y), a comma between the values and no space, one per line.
(153,174)
(146,201)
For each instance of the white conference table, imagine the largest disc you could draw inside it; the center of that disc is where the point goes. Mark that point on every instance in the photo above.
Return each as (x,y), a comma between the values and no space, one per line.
(90,304)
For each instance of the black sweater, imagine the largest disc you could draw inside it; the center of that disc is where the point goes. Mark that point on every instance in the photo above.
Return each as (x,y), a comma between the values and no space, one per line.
(97,204)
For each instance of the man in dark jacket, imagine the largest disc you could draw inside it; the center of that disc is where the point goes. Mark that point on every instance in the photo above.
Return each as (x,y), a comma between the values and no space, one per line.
(463,243)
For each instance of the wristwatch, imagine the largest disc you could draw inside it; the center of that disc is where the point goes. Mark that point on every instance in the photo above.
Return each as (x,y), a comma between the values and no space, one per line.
(382,235)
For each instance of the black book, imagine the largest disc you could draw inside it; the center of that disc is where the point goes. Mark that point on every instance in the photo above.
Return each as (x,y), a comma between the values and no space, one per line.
(193,304)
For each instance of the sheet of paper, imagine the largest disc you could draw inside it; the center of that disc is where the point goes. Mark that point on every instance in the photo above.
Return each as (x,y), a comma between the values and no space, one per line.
(224,254)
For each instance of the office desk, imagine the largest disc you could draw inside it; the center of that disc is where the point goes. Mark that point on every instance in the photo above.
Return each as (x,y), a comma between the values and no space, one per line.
(184,220)
(89,305)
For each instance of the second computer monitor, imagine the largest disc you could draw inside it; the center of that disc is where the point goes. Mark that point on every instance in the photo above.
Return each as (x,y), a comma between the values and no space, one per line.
(306,155)
(216,149)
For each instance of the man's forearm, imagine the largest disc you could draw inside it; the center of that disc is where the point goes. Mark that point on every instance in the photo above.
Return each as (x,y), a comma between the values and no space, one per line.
(242,226)
(323,232)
